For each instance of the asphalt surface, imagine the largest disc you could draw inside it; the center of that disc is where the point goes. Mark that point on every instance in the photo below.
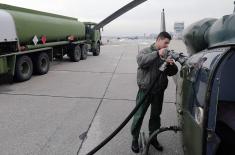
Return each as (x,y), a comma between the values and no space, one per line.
(77,105)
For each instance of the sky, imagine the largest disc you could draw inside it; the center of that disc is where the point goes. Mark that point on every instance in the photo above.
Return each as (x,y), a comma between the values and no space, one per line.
(144,19)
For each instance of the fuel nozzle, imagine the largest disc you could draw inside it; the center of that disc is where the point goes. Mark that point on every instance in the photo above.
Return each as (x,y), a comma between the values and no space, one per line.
(165,57)
(176,56)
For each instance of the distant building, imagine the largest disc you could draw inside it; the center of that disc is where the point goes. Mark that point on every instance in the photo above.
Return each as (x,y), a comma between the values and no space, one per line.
(178,30)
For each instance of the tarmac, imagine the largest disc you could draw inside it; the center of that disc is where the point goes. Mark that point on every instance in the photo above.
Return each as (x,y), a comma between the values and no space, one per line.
(77,105)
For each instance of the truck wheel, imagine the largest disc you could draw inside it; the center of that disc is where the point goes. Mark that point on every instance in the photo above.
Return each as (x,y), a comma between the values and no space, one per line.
(42,64)
(23,68)
(96,52)
(84,52)
(75,54)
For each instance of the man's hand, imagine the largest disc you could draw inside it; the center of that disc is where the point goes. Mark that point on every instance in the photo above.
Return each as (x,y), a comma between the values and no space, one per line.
(161,52)
(170,61)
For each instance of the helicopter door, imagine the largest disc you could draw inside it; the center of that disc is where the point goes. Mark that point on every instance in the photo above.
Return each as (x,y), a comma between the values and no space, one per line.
(221,112)
(192,110)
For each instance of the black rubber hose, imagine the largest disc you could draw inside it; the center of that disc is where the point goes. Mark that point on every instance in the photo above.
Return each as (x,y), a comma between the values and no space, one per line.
(121,126)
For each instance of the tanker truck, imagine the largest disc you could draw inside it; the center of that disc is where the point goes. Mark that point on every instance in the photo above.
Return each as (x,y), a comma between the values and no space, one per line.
(30,39)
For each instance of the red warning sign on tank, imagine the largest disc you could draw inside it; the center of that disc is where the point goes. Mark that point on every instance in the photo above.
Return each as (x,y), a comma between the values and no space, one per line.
(44,39)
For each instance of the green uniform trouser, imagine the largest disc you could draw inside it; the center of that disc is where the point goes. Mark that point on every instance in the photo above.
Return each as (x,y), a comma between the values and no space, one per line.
(156,101)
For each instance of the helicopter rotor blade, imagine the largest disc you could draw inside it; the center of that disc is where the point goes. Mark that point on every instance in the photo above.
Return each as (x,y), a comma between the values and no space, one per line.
(118,13)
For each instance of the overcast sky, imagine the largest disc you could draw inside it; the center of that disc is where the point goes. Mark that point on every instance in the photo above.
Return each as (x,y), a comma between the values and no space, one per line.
(142,19)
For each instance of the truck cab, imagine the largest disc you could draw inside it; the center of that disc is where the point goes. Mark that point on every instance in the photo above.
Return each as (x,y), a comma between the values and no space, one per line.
(93,36)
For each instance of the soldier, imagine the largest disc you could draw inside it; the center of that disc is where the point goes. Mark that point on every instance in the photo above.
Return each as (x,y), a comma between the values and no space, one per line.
(149,60)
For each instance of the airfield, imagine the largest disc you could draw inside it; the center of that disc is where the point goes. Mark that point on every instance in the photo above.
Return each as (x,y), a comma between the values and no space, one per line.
(77,105)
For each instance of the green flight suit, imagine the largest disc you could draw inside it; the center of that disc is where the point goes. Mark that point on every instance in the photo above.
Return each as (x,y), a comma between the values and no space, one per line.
(148,63)
(156,101)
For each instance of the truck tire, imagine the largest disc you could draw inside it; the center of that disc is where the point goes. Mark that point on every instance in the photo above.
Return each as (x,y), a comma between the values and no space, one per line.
(23,68)
(75,53)
(42,64)
(84,52)
(96,52)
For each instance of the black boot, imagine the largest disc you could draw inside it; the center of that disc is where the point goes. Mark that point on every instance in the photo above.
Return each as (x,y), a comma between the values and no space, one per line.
(135,146)
(157,145)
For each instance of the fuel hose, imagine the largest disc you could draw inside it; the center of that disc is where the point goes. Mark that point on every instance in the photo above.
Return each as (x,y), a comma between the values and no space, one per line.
(123,124)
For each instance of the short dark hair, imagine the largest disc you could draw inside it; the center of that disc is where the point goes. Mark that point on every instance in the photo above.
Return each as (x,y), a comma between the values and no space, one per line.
(164,35)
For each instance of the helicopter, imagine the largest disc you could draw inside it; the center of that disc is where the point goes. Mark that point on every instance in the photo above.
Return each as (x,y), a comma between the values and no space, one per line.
(205,99)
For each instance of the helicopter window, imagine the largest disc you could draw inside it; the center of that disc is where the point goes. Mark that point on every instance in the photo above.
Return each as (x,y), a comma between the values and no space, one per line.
(201,83)
(199,89)
(194,65)
(191,70)
(199,77)
(211,59)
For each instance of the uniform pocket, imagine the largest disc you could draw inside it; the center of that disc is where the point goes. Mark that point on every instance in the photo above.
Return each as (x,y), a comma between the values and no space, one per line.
(143,77)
